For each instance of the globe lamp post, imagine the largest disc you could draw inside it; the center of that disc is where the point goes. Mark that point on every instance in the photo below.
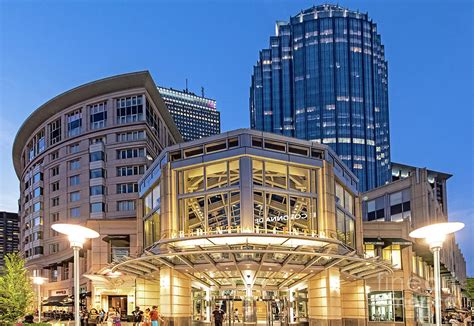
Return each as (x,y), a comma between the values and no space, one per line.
(77,235)
(434,235)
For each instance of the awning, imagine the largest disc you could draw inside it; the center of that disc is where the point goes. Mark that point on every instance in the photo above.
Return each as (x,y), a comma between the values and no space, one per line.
(58,301)
(270,261)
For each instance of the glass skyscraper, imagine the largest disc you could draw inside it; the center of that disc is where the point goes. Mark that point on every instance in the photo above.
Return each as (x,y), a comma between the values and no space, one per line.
(324,78)
(195,116)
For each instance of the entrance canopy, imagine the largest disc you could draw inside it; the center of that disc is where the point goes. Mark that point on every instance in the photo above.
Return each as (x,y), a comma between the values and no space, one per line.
(240,260)
(58,301)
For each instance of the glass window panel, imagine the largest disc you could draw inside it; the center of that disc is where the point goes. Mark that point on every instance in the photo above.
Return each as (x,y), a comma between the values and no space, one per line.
(340,226)
(299,214)
(217,211)
(275,175)
(339,194)
(396,256)
(350,234)
(258,209)
(216,175)
(349,202)
(156,196)
(193,180)
(148,203)
(299,179)
(396,198)
(257,172)
(194,214)
(277,214)
(235,209)
(234,173)
(371,206)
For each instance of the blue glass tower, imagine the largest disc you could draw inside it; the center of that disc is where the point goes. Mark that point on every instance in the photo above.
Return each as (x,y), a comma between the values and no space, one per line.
(324,78)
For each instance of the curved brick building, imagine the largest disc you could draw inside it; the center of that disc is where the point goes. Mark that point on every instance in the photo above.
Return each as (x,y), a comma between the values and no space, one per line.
(78,158)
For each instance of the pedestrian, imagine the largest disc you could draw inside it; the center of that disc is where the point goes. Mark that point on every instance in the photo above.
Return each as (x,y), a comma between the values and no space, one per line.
(146,317)
(137,316)
(111,316)
(155,317)
(236,315)
(218,315)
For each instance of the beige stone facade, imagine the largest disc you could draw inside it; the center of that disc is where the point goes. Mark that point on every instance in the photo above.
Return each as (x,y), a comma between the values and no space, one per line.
(265,224)
(78,158)
(416,197)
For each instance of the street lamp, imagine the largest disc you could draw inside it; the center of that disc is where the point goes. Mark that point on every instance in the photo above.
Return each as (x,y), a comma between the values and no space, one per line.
(38,280)
(434,235)
(77,236)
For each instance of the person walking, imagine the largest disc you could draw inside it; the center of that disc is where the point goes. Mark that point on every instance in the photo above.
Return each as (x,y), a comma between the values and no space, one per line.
(236,315)
(112,316)
(155,317)
(146,317)
(137,316)
(218,315)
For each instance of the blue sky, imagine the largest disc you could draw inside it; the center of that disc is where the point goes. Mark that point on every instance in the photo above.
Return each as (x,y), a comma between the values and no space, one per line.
(49,47)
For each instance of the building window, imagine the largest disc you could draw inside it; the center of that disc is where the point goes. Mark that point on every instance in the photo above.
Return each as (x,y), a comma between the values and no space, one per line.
(37,207)
(151,227)
(97,156)
(37,177)
(65,271)
(74,123)
(54,155)
(131,136)
(123,171)
(97,190)
(393,254)
(74,180)
(75,212)
(376,209)
(129,109)
(97,173)
(369,251)
(37,221)
(55,201)
(38,191)
(98,115)
(54,217)
(344,199)
(74,148)
(36,146)
(97,140)
(53,248)
(345,228)
(75,196)
(400,206)
(75,164)
(152,200)
(97,207)
(55,186)
(53,274)
(54,171)
(126,205)
(119,248)
(54,132)
(386,306)
(126,188)
(130,153)
(422,309)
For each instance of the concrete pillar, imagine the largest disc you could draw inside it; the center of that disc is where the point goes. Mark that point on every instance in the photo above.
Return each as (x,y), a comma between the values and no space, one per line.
(353,303)
(175,297)
(147,293)
(324,299)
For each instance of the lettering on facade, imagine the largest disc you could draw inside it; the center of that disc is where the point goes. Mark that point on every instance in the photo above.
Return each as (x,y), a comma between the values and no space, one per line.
(280,218)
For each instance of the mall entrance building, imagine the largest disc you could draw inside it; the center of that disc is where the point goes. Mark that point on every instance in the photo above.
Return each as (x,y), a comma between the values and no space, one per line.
(266,227)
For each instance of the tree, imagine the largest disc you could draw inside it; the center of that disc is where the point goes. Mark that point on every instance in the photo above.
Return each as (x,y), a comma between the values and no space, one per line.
(16,291)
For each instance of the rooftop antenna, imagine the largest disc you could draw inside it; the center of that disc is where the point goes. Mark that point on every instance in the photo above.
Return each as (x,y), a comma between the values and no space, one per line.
(186,85)
(202,91)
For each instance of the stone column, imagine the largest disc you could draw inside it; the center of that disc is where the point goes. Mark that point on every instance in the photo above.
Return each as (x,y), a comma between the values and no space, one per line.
(324,299)
(175,297)
(147,293)
(353,302)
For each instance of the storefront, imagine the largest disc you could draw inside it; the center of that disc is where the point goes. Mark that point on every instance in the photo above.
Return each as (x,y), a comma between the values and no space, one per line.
(265,227)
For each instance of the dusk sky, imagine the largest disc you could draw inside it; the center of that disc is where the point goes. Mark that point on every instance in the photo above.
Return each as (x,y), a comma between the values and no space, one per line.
(49,47)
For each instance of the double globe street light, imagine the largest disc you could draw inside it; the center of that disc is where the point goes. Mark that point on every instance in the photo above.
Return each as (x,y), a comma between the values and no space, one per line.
(77,235)
(434,235)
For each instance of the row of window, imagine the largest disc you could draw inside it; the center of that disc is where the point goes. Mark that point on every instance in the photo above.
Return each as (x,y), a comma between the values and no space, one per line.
(394,207)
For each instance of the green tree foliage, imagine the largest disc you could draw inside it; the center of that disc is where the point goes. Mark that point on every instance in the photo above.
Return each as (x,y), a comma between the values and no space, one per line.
(470,287)
(16,292)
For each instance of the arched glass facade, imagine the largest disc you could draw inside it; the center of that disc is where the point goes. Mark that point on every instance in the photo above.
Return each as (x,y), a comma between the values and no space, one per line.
(324,78)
